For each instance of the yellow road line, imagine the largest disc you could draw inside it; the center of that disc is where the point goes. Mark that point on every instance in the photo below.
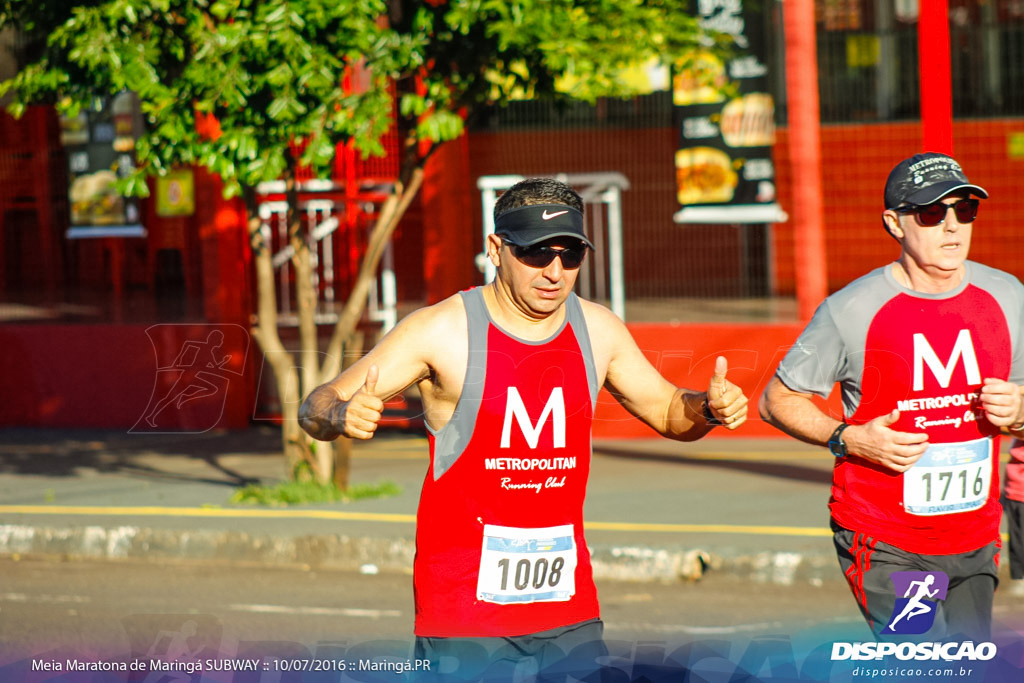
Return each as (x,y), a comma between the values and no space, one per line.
(153,511)
(760,456)
(764,457)
(259,513)
(711,529)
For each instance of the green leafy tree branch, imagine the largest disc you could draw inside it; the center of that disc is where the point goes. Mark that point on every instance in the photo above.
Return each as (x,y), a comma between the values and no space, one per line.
(254,90)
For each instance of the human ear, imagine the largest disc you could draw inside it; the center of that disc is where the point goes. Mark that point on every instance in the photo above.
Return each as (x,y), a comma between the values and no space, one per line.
(493,248)
(892,225)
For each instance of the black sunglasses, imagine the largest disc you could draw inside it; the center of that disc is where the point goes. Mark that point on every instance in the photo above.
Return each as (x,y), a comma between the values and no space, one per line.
(540,256)
(930,215)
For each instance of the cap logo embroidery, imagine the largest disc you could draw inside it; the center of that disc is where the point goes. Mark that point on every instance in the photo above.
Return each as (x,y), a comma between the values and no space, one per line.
(548,216)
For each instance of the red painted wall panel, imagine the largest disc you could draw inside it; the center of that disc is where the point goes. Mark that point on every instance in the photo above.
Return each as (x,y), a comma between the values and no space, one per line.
(115,376)
(685,355)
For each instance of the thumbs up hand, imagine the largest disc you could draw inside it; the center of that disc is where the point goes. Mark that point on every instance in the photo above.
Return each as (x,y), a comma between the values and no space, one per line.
(361,412)
(725,401)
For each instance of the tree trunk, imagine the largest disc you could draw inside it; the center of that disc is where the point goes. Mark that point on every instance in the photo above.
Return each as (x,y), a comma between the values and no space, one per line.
(344,348)
(390,215)
(342,451)
(265,332)
(345,344)
(305,292)
(342,447)
(309,351)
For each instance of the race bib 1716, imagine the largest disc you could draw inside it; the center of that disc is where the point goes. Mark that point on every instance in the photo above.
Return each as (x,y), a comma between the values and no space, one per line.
(949,478)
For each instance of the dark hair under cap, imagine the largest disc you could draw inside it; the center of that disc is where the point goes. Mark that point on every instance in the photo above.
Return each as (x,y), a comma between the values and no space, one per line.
(528,225)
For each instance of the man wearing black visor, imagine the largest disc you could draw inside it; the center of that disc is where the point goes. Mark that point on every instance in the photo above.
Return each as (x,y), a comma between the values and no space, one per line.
(509,374)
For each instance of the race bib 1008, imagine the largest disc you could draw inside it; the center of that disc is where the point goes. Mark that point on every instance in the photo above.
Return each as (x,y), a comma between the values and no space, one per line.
(520,566)
(949,478)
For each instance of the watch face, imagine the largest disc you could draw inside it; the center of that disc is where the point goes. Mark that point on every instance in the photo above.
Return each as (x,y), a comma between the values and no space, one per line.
(835,442)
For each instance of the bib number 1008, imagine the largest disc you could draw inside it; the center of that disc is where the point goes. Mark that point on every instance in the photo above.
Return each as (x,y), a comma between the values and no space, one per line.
(539,569)
(520,566)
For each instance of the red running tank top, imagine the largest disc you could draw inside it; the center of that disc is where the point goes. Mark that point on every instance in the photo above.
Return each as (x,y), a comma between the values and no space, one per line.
(926,355)
(499,531)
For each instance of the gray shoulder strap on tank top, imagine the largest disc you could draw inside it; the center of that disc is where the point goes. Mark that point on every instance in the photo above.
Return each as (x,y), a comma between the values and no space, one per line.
(451,440)
(574,313)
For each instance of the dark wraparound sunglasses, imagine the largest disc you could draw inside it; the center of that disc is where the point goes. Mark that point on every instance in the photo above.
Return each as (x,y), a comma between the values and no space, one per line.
(930,215)
(540,256)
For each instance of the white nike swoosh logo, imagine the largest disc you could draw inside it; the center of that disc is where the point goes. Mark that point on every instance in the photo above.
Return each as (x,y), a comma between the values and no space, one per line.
(548,216)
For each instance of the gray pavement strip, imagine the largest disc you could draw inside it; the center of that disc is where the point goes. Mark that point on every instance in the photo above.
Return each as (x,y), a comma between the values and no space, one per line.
(340,552)
(730,482)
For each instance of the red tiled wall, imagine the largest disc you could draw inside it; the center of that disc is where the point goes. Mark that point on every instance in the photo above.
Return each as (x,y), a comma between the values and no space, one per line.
(856,160)
(855,163)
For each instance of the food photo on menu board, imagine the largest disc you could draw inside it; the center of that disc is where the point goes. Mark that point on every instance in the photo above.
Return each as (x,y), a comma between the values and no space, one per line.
(725,116)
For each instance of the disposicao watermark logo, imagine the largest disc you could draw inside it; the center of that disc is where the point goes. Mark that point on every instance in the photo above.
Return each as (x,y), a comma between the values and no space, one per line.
(917,599)
(914,612)
(947,652)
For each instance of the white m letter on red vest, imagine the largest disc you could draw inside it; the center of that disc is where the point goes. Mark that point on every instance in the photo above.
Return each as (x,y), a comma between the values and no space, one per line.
(924,353)
(514,407)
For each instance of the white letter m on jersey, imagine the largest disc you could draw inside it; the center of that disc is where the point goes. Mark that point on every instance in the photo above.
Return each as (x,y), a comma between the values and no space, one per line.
(924,353)
(514,407)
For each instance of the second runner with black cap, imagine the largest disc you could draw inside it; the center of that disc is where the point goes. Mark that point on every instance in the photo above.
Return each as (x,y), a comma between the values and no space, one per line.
(509,374)
(928,352)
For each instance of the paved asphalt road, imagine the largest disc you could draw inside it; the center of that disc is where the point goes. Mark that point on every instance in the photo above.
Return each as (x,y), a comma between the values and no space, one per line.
(73,603)
(156,511)
(107,608)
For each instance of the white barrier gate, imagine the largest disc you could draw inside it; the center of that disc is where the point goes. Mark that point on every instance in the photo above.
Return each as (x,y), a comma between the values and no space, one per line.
(321,217)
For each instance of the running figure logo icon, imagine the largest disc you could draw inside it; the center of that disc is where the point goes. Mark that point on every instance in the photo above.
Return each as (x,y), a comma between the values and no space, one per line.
(914,612)
(194,368)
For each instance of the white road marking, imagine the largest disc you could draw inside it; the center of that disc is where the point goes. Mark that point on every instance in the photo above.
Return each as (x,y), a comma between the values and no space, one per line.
(318,611)
(24,597)
(698,630)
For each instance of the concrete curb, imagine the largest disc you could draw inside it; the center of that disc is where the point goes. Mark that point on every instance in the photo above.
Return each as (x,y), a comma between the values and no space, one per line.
(372,554)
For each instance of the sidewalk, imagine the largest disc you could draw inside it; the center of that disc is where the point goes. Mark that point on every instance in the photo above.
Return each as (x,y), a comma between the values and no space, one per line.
(656,509)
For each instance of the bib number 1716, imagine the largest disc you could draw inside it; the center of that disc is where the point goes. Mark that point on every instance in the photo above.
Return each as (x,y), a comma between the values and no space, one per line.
(949,478)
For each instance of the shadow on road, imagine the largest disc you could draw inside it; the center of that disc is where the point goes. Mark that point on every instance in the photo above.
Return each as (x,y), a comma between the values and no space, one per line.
(815,473)
(69,453)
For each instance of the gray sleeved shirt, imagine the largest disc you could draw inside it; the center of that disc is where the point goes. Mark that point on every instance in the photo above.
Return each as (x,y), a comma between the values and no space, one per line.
(832,348)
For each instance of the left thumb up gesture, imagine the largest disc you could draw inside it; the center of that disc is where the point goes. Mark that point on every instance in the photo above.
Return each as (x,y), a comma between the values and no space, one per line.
(726,402)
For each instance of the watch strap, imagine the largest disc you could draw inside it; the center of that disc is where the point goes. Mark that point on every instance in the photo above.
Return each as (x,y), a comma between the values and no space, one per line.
(709,417)
(835,442)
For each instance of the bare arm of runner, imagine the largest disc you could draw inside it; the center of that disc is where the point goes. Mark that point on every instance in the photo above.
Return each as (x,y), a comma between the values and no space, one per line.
(351,404)
(674,412)
(796,414)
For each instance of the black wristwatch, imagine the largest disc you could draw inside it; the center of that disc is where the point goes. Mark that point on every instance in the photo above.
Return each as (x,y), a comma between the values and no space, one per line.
(836,443)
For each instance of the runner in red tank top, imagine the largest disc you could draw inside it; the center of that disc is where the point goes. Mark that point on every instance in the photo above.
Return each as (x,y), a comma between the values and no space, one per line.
(509,375)
(929,355)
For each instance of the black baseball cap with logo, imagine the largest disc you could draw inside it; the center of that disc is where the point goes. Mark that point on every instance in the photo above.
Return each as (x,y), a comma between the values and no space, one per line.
(926,178)
(525,226)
